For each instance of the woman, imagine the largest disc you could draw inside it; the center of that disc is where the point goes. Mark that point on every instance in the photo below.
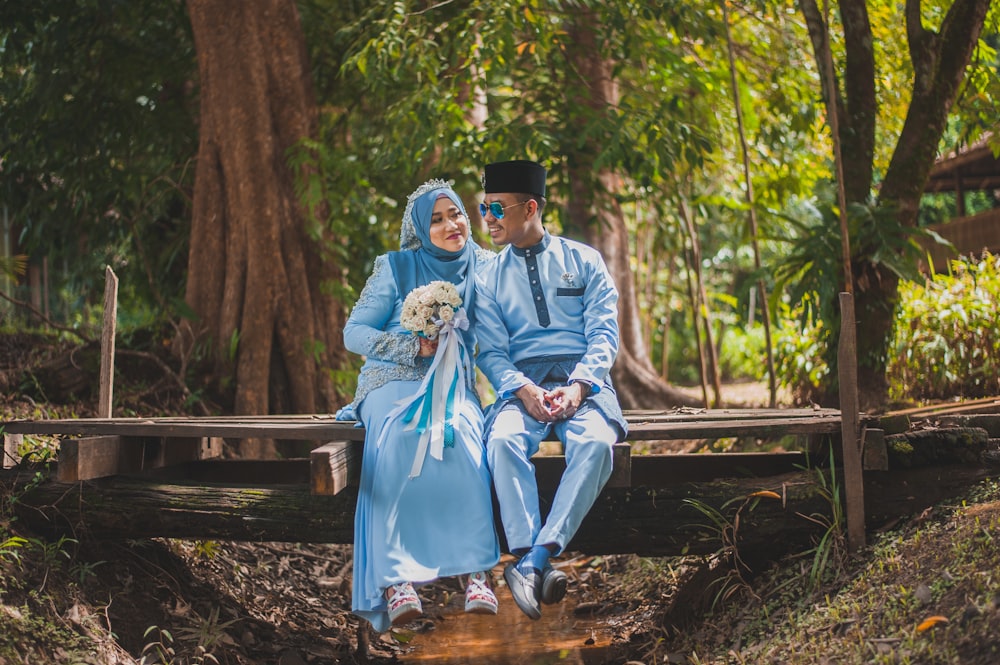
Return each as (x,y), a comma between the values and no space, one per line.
(428,516)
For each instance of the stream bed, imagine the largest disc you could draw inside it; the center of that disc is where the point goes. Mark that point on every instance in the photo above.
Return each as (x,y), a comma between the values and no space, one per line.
(510,638)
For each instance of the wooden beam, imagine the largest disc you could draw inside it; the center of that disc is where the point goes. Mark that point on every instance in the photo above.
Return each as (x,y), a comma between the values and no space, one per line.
(92,457)
(641,520)
(621,471)
(95,457)
(236,472)
(652,522)
(174,450)
(334,466)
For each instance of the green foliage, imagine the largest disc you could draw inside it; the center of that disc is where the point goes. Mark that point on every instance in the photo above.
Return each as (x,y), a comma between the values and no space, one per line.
(799,350)
(97,142)
(742,352)
(945,343)
(160,650)
(812,270)
(206,633)
(11,546)
(206,548)
(27,636)
(830,552)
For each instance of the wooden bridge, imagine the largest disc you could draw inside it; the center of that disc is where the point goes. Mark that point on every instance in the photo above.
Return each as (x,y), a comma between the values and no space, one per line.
(167,477)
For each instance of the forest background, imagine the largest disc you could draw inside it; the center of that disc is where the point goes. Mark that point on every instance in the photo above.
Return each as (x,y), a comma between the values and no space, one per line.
(240,165)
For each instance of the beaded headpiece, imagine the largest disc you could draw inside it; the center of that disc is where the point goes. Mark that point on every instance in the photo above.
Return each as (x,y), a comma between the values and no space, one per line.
(408,238)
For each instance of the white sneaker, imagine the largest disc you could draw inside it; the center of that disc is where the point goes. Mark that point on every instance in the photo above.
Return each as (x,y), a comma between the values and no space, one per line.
(479,598)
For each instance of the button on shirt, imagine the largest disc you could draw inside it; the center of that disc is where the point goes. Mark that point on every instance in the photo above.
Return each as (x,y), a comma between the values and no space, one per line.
(555,298)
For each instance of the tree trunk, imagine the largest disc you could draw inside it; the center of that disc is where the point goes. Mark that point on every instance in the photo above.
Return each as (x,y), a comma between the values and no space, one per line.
(254,270)
(595,213)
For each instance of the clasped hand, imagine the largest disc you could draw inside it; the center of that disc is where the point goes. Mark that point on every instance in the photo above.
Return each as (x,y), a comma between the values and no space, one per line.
(428,347)
(550,405)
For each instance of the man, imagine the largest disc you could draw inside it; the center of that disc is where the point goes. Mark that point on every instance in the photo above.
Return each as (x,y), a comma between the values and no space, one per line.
(547,322)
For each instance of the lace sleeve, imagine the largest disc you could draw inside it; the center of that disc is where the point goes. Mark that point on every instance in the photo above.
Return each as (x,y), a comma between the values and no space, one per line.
(365,332)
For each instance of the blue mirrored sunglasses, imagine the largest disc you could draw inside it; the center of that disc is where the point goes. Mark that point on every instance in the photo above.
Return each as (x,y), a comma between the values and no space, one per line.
(496,209)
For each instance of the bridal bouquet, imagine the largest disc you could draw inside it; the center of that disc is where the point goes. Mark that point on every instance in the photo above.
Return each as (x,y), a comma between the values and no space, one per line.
(435,311)
(429,307)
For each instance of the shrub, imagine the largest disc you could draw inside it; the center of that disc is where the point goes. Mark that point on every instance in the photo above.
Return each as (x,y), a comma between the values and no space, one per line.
(799,344)
(945,343)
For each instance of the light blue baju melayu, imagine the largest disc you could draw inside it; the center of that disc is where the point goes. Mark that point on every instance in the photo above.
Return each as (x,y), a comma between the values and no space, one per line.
(548,315)
(440,522)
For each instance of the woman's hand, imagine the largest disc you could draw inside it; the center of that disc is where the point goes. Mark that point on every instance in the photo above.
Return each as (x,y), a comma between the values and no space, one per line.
(428,347)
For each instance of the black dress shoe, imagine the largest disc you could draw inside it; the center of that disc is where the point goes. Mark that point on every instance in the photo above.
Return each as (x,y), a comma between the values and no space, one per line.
(525,588)
(553,585)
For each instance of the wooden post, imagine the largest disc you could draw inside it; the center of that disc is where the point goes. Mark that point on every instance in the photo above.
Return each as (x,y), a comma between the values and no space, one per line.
(108,343)
(847,368)
(11,444)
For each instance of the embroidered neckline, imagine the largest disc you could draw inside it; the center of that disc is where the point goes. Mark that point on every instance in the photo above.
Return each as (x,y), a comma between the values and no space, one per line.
(537,248)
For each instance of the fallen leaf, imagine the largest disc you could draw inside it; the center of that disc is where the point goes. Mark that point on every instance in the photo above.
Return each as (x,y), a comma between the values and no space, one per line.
(930,622)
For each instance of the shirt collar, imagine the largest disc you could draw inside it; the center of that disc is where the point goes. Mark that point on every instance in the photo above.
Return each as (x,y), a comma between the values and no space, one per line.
(537,248)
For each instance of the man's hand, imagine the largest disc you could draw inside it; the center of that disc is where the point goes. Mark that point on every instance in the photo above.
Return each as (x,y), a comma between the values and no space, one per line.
(535,402)
(564,401)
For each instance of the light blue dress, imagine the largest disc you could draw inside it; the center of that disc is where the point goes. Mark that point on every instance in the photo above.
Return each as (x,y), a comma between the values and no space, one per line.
(439,523)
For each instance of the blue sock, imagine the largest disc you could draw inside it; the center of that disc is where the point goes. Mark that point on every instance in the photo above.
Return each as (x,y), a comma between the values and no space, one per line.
(537,557)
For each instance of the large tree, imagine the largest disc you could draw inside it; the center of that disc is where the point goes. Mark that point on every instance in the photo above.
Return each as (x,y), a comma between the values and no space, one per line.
(593,209)
(257,273)
(940,49)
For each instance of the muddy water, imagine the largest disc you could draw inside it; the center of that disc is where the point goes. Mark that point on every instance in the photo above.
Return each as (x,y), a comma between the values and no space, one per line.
(510,638)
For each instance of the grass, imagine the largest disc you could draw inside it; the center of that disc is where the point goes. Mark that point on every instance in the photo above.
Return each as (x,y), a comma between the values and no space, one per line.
(926,593)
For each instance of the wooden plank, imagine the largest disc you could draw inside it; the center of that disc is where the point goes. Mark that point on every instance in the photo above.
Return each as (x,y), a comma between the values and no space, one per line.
(985,403)
(237,472)
(334,466)
(691,414)
(138,427)
(639,428)
(717,429)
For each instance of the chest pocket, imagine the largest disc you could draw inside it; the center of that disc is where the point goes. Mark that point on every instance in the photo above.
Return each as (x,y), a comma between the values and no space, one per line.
(570,300)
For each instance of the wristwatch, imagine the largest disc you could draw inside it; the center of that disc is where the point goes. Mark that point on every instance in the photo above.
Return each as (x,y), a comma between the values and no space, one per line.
(587,386)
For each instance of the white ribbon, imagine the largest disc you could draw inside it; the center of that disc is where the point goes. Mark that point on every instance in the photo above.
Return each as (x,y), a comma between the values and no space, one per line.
(445,370)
